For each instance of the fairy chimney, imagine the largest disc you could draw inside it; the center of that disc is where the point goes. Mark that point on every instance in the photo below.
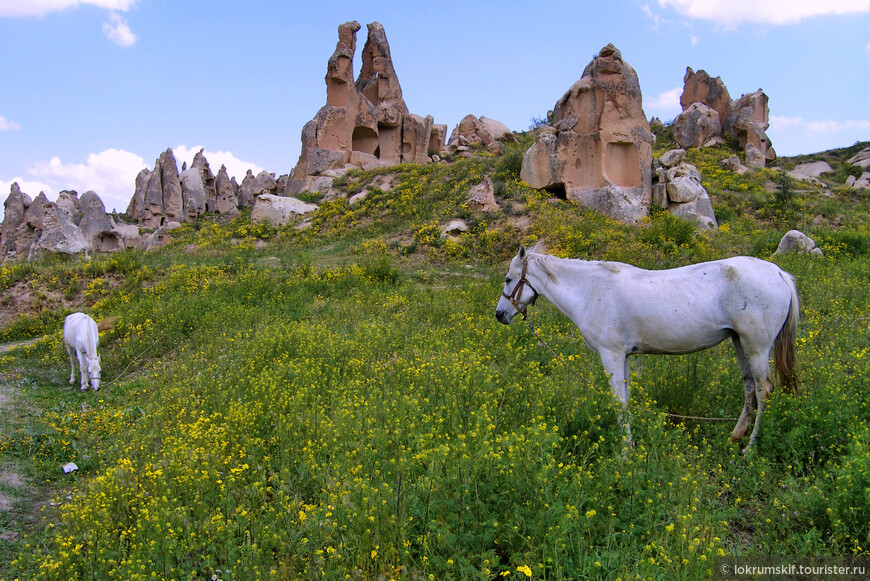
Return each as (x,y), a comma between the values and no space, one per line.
(365,123)
(598,151)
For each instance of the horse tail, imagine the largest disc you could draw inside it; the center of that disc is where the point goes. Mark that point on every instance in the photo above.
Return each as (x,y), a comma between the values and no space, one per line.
(784,354)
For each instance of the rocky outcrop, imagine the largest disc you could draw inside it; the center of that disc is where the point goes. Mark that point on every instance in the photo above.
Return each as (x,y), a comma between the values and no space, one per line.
(709,114)
(859,183)
(598,150)
(861,159)
(364,124)
(810,172)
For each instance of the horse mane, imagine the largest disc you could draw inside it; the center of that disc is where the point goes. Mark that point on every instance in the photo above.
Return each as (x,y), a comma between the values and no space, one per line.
(542,259)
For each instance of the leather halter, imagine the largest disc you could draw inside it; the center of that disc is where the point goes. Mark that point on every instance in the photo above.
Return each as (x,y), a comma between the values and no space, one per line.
(514,297)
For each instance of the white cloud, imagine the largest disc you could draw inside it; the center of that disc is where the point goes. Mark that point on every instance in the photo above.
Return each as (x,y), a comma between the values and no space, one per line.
(730,13)
(665,102)
(7,125)
(118,31)
(16,8)
(780,122)
(836,126)
(235,167)
(110,173)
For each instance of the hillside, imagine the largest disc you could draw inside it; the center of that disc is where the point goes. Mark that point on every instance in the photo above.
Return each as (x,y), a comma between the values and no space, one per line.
(339,400)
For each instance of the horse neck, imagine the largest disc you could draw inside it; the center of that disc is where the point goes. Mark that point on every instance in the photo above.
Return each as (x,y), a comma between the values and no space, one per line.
(90,344)
(564,274)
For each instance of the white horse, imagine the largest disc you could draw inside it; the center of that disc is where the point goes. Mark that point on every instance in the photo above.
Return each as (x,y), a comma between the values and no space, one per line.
(622,310)
(81,336)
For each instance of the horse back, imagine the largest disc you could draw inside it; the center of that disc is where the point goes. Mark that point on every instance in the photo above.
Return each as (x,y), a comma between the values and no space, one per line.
(80,332)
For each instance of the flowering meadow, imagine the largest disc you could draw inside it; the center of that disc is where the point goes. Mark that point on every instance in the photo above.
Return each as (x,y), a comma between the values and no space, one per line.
(340,402)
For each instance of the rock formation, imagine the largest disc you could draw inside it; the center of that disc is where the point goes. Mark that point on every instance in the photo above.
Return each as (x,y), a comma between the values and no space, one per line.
(97,227)
(158,197)
(480,131)
(709,114)
(68,226)
(364,124)
(197,187)
(598,151)
(677,188)
(254,186)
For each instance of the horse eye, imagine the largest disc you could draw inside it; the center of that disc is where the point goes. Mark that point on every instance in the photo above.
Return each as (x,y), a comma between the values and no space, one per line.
(507,281)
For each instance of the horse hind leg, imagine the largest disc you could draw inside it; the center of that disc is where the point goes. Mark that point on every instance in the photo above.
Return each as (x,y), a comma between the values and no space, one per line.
(616,365)
(760,365)
(749,403)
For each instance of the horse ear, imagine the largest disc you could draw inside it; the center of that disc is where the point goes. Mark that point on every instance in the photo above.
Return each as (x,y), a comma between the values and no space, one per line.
(522,253)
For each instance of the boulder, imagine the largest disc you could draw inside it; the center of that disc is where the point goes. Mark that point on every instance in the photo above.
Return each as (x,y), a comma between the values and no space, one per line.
(278,210)
(687,197)
(158,194)
(598,152)
(160,236)
(498,130)
(481,197)
(58,234)
(861,183)
(454,228)
(673,157)
(97,227)
(796,241)
(470,131)
(733,163)
(697,126)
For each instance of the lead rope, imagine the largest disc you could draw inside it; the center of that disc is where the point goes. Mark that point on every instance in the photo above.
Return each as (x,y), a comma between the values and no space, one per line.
(577,373)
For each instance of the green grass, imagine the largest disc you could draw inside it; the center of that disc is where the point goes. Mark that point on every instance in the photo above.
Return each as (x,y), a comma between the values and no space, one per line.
(342,402)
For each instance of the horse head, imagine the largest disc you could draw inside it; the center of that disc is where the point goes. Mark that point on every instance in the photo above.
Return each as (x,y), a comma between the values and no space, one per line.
(94,372)
(517,293)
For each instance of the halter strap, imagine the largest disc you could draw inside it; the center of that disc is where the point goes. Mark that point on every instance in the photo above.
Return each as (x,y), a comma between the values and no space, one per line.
(514,297)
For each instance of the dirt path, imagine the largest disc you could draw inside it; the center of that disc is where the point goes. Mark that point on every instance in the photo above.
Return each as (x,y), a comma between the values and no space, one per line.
(10,346)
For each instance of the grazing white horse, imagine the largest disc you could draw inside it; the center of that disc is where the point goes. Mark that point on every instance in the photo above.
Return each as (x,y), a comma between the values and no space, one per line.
(622,310)
(81,337)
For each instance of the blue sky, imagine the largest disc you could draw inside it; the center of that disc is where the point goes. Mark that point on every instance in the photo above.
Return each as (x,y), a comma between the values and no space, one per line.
(94,90)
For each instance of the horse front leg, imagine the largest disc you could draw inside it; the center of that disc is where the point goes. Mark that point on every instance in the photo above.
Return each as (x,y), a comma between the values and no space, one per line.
(72,364)
(750,400)
(616,365)
(83,367)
